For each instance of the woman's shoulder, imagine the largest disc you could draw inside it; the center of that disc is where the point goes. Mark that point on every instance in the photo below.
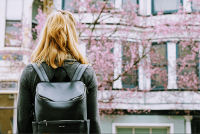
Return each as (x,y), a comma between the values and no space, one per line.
(90,76)
(28,71)
(29,68)
(89,70)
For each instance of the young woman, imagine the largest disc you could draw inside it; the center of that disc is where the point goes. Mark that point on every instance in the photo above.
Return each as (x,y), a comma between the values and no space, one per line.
(58,47)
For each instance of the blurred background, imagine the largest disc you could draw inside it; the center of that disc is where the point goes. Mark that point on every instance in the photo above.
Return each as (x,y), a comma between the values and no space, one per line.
(145,54)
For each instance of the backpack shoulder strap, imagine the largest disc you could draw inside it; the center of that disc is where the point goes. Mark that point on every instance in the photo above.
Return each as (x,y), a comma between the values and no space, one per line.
(40,71)
(79,72)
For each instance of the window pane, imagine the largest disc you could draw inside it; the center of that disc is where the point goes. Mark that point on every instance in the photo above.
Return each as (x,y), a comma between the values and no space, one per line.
(142,130)
(6,113)
(66,5)
(8,85)
(124,130)
(161,51)
(11,32)
(131,1)
(14,9)
(183,52)
(187,70)
(159,81)
(166,5)
(195,5)
(36,5)
(130,79)
(102,2)
(160,61)
(159,130)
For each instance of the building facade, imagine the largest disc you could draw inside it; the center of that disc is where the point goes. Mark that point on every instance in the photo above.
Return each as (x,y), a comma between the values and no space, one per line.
(162,117)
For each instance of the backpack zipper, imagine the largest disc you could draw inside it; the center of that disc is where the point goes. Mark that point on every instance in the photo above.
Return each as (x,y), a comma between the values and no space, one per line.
(44,97)
(70,99)
(45,121)
(86,88)
(80,95)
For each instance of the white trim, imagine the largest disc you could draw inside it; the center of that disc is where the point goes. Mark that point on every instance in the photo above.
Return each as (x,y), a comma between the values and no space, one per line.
(187,5)
(143,7)
(148,10)
(118,65)
(118,4)
(57,4)
(171,57)
(141,78)
(155,125)
(147,78)
(2,22)
(9,91)
(14,9)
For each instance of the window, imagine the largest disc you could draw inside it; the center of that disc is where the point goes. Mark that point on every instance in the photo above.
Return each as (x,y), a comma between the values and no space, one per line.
(159,61)
(142,130)
(13,17)
(167,6)
(99,61)
(131,1)
(130,79)
(66,4)
(195,5)
(36,4)
(126,4)
(109,2)
(100,3)
(195,124)
(192,66)
(11,33)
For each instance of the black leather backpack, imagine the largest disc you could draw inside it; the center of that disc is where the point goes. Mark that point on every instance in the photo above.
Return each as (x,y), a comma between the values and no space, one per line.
(60,107)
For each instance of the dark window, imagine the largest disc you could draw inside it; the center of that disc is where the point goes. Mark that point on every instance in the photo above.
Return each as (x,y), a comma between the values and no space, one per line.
(195,124)
(190,67)
(167,6)
(159,80)
(129,79)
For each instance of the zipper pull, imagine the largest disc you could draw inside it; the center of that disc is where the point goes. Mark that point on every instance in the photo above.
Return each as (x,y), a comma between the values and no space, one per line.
(45,121)
(86,89)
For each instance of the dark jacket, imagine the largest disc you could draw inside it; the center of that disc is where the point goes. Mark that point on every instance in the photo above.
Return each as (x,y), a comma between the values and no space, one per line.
(27,88)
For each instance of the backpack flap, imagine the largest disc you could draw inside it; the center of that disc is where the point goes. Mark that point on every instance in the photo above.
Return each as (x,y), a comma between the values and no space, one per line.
(62,91)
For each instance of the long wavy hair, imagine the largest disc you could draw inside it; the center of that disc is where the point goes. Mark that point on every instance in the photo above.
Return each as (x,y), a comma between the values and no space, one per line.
(58,41)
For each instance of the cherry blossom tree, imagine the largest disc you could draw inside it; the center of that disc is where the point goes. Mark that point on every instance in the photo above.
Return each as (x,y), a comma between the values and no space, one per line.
(119,42)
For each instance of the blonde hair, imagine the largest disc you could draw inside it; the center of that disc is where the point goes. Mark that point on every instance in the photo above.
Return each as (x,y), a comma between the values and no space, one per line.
(58,41)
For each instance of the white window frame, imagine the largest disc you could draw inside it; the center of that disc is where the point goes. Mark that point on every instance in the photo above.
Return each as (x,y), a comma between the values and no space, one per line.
(169,126)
